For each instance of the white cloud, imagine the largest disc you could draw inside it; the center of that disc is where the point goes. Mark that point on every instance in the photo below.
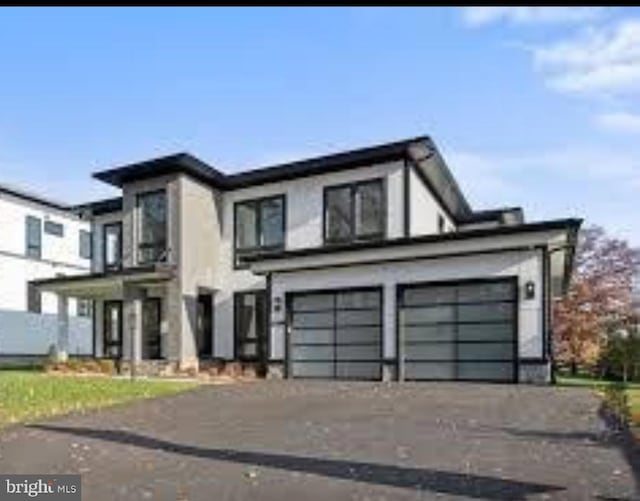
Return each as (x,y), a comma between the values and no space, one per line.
(602,61)
(480,16)
(598,184)
(620,121)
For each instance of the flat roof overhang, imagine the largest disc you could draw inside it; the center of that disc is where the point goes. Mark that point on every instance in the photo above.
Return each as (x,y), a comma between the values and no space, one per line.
(106,284)
(557,238)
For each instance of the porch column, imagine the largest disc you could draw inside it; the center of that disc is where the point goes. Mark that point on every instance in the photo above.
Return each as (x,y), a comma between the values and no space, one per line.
(62,344)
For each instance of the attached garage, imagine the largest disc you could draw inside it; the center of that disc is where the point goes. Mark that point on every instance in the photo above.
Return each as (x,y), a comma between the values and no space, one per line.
(459,330)
(335,334)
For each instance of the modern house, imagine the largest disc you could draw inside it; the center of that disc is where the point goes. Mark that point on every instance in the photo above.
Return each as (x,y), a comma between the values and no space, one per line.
(40,238)
(365,264)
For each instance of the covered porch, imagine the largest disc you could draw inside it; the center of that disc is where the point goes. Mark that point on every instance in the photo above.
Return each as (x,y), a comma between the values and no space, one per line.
(131,313)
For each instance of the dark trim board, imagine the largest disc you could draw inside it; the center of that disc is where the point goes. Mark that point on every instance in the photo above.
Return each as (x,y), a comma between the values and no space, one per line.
(560,224)
(412,259)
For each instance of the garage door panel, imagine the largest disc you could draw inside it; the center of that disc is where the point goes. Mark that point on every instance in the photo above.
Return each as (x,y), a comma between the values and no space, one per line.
(358,370)
(422,333)
(463,330)
(358,317)
(359,299)
(312,352)
(485,332)
(313,302)
(487,312)
(358,352)
(430,351)
(429,296)
(336,334)
(429,314)
(309,336)
(430,370)
(312,369)
(496,291)
(316,319)
(348,335)
(488,371)
(485,351)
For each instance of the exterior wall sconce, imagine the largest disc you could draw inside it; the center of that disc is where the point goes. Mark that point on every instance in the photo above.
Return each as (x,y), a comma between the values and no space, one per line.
(530,290)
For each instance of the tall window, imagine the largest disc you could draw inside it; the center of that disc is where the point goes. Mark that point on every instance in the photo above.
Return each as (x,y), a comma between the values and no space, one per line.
(152,227)
(354,212)
(85,244)
(259,226)
(34,299)
(34,237)
(112,246)
(251,325)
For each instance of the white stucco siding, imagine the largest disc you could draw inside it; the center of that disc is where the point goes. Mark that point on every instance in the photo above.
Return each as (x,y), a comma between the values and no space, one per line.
(64,250)
(525,265)
(424,209)
(59,254)
(304,208)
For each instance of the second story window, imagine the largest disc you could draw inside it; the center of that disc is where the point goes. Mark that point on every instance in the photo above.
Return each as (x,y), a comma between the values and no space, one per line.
(85,244)
(112,246)
(354,212)
(259,226)
(34,237)
(152,227)
(55,229)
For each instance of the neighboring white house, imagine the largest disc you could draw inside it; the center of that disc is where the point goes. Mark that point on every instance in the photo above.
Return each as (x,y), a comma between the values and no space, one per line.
(366,264)
(39,238)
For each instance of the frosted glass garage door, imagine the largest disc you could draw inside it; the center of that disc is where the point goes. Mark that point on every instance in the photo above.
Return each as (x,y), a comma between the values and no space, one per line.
(459,331)
(336,334)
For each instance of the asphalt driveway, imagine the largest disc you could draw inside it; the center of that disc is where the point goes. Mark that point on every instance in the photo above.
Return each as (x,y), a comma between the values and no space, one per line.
(326,440)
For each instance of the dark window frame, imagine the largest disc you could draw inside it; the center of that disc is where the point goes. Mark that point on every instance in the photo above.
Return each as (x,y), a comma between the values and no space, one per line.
(54,229)
(238,253)
(353,237)
(82,244)
(119,343)
(156,341)
(160,247)
(118,264)
(262,353)
(34,299)
(33,249)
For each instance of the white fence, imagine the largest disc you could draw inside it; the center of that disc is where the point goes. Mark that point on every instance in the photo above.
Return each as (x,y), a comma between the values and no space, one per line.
(23,333)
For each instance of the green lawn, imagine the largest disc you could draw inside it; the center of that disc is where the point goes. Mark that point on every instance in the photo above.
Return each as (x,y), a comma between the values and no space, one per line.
(632,390)
(31,395)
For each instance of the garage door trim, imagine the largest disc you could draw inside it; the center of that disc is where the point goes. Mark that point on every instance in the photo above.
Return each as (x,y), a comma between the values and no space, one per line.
(513,279)
(289,296)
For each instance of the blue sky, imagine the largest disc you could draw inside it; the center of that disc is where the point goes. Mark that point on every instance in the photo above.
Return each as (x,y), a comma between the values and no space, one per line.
(536,107)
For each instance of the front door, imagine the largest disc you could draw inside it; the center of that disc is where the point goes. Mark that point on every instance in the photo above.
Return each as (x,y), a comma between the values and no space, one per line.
(112,329)
(252,341)
(204,330)
(151,329)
